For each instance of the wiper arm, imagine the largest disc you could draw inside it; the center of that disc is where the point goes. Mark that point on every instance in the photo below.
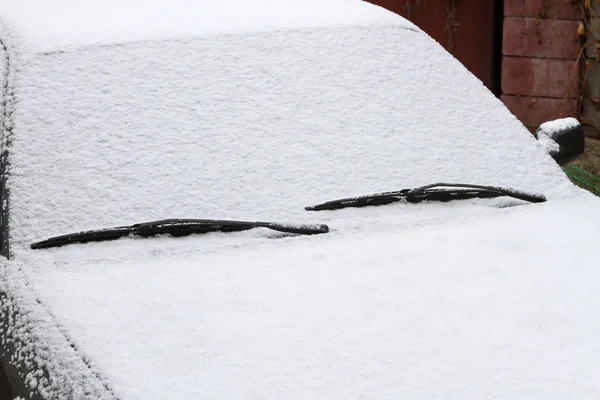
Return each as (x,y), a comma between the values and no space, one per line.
(175,227)
(451,191)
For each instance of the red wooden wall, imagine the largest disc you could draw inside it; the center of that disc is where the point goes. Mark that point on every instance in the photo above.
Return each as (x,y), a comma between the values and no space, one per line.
(540,73)
(535,71)
(471,40)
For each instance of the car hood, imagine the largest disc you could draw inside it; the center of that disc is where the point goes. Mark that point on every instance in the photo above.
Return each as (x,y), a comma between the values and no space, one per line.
(472,302)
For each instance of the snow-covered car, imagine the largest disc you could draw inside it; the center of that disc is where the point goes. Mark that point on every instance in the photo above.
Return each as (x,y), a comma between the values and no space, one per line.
(209,116)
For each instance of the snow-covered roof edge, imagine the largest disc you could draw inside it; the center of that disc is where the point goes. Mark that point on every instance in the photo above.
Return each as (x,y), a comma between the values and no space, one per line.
(54,26)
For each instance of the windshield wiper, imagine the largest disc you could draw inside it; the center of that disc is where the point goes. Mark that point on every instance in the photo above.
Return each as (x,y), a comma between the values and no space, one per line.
(451,191)
(176,227)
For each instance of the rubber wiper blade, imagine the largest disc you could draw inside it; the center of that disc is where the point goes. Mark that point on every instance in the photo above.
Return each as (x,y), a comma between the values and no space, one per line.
(435,192)
(176,227)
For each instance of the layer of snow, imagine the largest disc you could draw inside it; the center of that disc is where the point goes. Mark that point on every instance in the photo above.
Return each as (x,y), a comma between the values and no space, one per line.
(547,129)
(52,25)
(253,127)
(497,306)
(256,126)
(558,125)
(3,87)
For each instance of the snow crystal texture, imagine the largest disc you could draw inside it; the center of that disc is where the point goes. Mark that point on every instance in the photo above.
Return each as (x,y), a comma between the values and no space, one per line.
(47,26)
(252,127)
(254,116)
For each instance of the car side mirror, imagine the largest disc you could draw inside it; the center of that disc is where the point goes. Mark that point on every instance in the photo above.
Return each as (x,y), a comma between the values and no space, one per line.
(563,139)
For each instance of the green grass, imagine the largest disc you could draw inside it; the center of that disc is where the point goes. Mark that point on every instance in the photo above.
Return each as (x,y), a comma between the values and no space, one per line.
(583,179)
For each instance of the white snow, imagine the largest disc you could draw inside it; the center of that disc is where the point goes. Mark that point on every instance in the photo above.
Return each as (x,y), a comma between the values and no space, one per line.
(547,142)
(255,115)
(547,129)
(253,127)
(558,124)
(48,26)
(500,306)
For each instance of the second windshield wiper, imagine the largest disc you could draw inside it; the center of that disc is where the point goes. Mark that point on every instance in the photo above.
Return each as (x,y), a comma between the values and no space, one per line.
(176,227)
(449,191)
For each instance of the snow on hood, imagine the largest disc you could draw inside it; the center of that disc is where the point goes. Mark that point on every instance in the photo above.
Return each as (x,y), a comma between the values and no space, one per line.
(498,306)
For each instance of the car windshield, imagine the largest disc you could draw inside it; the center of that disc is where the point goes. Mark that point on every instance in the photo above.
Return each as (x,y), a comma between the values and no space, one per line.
(252,126)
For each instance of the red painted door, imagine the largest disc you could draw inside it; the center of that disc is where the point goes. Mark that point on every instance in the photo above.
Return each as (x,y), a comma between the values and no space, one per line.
(466,28)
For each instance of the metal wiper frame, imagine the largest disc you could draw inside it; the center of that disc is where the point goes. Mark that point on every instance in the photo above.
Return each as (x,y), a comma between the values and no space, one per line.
(175,227)
(457,191)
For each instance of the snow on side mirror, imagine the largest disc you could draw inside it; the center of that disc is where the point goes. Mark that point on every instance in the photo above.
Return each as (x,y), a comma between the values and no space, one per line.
(562,138)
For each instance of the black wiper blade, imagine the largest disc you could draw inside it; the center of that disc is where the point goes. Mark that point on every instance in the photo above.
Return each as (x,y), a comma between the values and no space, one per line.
(448,192)
(176,227)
